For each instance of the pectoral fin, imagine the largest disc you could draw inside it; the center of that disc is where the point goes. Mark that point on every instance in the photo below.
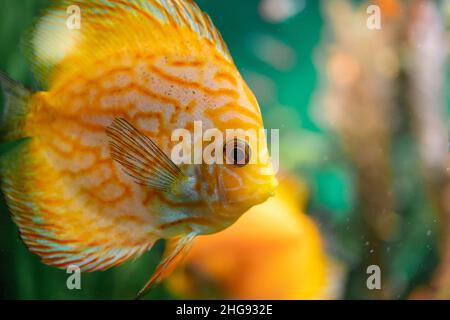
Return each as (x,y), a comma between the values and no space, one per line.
(176,250)
(141,158)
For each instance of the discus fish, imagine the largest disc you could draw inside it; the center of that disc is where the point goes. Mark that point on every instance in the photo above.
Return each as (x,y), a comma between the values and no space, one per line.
(90,179)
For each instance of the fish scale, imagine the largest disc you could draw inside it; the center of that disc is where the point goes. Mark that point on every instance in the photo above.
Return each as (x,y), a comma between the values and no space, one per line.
(94,185)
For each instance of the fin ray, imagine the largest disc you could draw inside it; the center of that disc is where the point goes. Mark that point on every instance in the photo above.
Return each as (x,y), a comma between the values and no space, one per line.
(176,250)
(148,25)
(43,229)
(141,158)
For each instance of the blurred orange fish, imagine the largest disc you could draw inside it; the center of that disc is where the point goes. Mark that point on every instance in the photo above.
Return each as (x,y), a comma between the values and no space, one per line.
(91,182)
(274,251)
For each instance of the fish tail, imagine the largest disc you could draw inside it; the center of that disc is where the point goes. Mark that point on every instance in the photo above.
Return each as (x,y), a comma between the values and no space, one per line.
(16,104)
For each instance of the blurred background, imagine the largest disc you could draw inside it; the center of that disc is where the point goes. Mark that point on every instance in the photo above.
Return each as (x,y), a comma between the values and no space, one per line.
(364,127)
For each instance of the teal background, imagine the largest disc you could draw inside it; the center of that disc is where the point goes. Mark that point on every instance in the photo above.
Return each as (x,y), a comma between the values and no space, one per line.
(312,153)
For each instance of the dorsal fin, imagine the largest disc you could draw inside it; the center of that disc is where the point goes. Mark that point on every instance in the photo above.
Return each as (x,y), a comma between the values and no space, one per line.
(73,32)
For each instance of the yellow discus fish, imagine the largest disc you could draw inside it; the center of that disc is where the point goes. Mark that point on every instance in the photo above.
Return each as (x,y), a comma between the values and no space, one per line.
(90,181)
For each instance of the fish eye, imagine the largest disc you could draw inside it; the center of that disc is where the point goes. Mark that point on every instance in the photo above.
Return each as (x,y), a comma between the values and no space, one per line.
(237,153)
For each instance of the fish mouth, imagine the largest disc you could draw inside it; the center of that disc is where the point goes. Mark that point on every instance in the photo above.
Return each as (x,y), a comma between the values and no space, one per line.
(266,191)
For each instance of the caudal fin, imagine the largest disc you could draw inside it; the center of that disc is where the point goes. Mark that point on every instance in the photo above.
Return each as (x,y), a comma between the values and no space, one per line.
(16,104)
